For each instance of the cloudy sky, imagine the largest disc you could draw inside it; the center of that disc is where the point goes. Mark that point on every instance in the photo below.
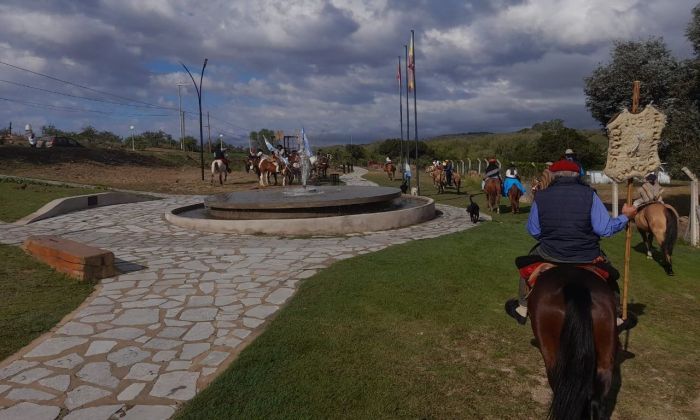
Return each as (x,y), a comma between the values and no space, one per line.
(330,66)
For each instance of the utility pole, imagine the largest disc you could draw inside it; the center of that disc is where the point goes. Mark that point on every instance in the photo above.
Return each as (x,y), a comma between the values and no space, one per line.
(182,118)
(209,132)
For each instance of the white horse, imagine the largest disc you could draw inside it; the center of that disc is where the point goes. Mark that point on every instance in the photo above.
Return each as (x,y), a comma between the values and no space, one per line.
(219,167)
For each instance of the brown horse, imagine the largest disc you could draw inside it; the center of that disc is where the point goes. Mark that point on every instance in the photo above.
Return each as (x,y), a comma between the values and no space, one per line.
(572,312)
(514,194)
(492,187)
(291,171)
(267,167)
(661,221)
(390,170)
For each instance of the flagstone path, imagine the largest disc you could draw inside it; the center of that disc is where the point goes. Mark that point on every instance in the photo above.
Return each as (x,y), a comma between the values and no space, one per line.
(150,339)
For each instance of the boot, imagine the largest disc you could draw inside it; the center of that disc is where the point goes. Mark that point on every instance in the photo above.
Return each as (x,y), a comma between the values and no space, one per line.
(516,311)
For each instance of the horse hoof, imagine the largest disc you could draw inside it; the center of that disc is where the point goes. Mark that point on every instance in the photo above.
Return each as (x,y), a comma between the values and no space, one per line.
(649,257)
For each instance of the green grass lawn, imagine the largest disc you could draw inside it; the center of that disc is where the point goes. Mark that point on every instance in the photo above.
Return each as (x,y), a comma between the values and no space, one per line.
(35,298)
(418,331)
(18,199)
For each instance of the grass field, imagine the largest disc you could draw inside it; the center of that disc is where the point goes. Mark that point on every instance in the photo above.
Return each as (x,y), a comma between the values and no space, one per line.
(20,199)
(35,298)
(418,331)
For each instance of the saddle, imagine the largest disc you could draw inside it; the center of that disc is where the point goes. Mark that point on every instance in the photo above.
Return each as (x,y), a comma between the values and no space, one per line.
(531,266)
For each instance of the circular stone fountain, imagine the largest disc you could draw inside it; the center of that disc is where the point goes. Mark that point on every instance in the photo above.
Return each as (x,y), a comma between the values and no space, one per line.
(323,210)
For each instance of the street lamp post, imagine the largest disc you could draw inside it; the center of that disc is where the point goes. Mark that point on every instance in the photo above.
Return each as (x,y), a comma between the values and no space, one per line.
(199,97)
(221,142)
(131,127)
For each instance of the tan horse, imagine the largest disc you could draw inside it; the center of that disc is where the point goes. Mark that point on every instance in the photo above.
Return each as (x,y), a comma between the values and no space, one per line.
(457,180)
(492,187)
(390,170)
(219,167)
(514,194)
(661,221)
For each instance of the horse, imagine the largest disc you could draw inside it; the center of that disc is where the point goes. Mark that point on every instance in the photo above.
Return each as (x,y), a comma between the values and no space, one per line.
(492,187)
(251,164)
(661,221)
(457,180)
(291,171)
(219,167)
(514,194)
(267,167)
(572,312)
(390,170)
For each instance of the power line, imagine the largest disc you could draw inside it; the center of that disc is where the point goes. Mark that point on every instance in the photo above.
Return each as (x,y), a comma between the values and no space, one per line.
(71,109)
(84,87)
(74,96)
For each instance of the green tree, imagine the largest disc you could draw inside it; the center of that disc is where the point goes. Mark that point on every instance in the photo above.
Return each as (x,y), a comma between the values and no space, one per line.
(552,144)
(609,88)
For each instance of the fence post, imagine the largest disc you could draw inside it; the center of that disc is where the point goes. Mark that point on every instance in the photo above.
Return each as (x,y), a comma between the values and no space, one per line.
(615,200)
(470,165)
(479,160)
(462,166)
(693,206)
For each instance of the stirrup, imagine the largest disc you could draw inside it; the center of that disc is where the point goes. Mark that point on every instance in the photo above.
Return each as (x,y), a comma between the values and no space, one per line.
(626,324)
(511,306)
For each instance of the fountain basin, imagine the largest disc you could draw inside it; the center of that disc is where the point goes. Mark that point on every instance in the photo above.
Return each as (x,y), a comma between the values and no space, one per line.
(299,202)
(329,211)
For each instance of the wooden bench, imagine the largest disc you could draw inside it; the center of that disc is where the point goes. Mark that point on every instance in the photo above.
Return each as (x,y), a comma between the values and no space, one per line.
(73,258)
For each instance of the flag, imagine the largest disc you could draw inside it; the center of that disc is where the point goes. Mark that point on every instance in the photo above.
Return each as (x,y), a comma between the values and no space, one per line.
(411,65)
(398,72)
(268,145)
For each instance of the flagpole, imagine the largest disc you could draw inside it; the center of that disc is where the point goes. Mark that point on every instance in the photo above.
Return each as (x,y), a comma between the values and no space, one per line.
(398,74)
(408,117)
(415,109)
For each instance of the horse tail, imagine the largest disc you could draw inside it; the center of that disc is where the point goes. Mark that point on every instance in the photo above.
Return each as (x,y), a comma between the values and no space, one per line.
(575,369)
(671,232)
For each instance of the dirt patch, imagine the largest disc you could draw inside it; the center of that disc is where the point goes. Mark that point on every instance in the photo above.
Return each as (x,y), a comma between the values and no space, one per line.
(155,170)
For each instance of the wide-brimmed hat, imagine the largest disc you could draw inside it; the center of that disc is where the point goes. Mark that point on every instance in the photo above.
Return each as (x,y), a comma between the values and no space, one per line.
(492,160)
(568,152)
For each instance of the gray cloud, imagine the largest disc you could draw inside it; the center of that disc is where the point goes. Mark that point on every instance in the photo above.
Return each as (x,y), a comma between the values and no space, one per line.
(330,65)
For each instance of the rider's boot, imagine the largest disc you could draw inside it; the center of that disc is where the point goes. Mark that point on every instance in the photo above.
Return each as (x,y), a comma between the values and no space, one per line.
(517,308)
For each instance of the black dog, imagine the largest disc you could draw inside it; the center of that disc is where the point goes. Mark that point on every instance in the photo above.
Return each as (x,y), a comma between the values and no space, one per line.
(473,210)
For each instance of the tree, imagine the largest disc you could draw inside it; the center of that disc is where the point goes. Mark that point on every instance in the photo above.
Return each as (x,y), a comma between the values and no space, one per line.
(609,88)
(693,30)
(391,148)
(552,144)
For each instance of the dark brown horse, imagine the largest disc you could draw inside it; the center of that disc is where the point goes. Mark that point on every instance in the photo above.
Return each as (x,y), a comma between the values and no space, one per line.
(492,187)
(514,194)
(572,312)
(660,221)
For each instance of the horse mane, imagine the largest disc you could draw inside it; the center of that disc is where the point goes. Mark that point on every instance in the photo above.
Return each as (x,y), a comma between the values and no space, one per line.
(573,375)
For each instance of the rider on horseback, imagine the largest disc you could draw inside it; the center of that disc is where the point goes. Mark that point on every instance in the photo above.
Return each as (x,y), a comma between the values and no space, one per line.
(492,171)
(649,192)
(568,219)
(220,154)
(512,178)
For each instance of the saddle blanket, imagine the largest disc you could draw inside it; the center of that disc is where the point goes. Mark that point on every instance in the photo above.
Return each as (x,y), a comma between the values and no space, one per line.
(532,271)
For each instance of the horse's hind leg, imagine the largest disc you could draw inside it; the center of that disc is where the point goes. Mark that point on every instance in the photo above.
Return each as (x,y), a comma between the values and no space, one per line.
(646,238)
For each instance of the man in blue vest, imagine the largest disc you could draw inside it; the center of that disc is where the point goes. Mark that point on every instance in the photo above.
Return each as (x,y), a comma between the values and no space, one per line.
(568,219)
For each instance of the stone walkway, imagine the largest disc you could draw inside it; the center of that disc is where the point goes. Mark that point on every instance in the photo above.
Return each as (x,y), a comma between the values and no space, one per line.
(150,339)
